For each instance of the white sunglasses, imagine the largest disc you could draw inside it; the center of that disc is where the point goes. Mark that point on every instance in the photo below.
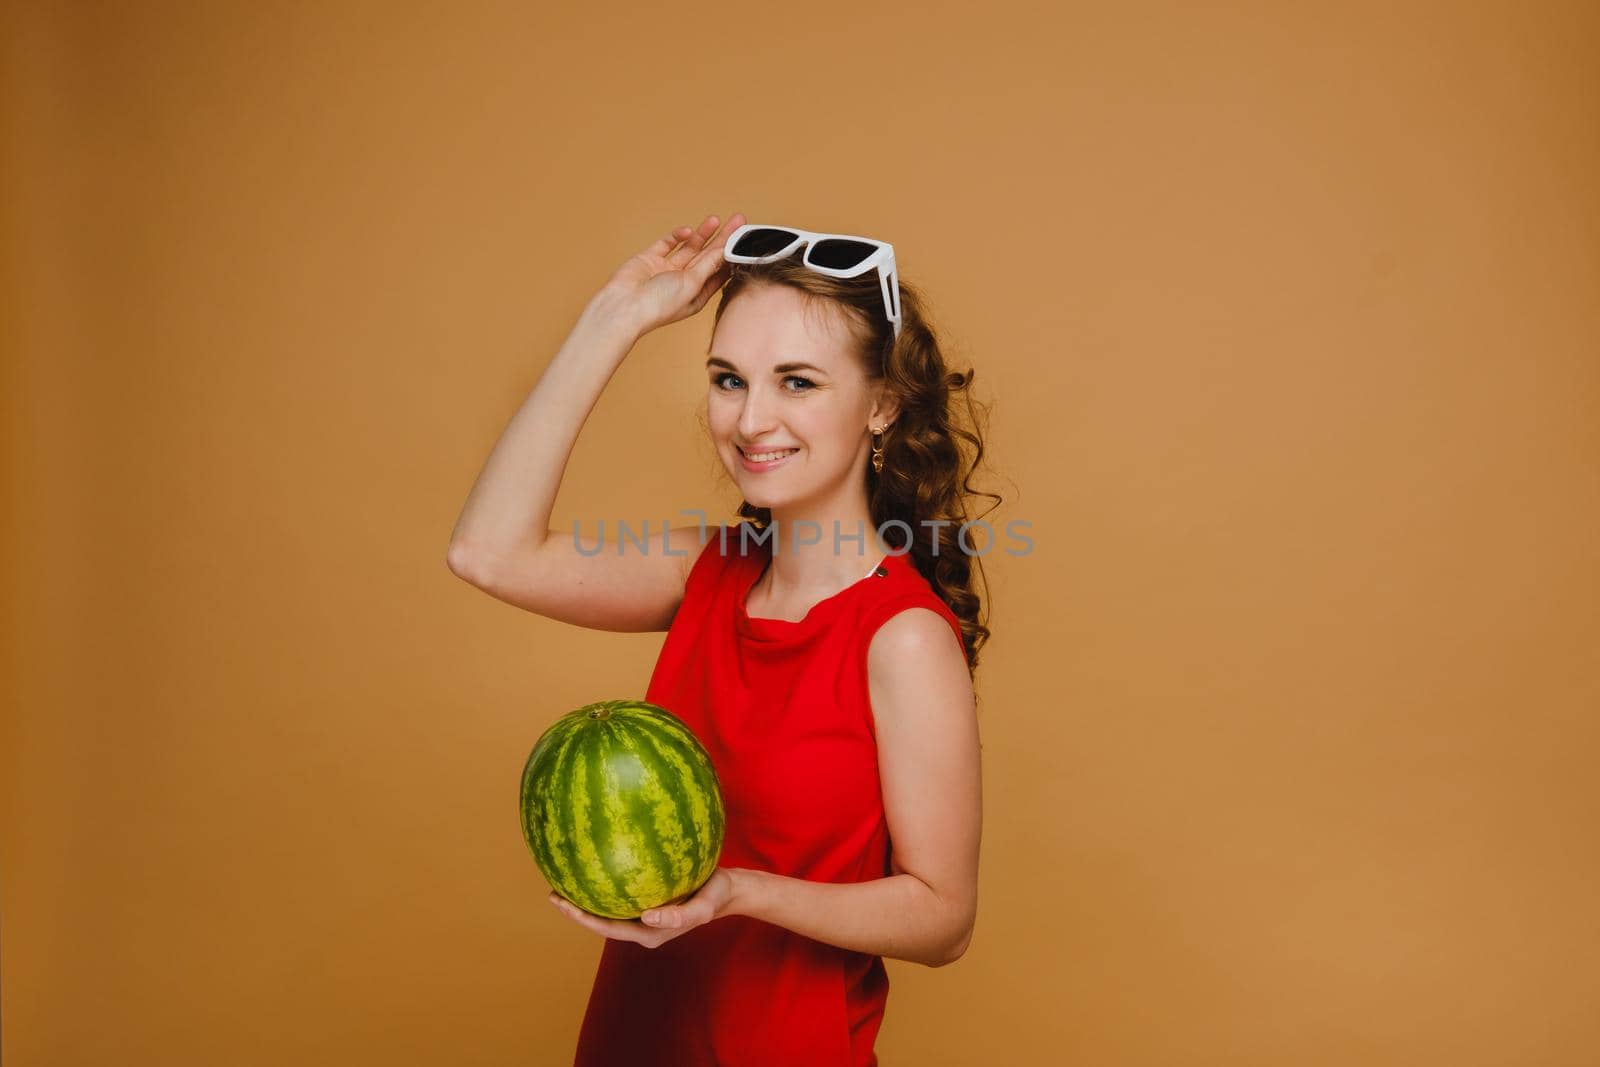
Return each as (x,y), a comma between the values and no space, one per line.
(841,255)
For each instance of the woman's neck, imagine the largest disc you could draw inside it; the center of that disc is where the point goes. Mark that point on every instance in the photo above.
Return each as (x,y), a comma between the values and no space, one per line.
(814,558)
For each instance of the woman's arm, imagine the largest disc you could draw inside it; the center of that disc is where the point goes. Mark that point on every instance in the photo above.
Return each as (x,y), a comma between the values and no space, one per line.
(502,542)
(900,916)
(928,764)
(510,503)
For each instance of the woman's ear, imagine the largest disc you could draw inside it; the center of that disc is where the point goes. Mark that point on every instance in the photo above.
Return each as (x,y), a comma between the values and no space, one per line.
(885,409)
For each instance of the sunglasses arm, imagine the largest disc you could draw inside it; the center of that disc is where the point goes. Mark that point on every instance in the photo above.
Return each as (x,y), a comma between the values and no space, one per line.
(889,281)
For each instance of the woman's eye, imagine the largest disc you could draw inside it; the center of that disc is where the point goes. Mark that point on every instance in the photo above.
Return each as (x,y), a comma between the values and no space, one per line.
(806,383)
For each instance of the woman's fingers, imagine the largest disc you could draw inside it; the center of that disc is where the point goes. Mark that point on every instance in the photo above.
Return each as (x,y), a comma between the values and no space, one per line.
(612,928)
(691,245)
(596,923)
(708,260)
(664,247)
(735,220)
(677,274)
(682,247)
(711,285)
(714,248)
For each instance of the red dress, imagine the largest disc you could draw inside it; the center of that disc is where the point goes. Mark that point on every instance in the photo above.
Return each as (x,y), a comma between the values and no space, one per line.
(783,709)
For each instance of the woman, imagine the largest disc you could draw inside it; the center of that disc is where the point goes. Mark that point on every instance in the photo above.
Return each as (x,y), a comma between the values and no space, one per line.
(829,676)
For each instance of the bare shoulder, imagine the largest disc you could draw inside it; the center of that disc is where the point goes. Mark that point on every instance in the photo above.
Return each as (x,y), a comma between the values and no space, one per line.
(915,647)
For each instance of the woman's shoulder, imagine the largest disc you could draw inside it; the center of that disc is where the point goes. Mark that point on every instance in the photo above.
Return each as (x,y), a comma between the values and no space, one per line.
(903,589)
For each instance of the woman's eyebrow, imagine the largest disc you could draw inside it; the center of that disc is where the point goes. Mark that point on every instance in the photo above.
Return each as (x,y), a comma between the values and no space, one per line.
(782,368)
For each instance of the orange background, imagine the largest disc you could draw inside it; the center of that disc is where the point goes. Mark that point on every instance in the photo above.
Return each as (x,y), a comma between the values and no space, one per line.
(1288,317)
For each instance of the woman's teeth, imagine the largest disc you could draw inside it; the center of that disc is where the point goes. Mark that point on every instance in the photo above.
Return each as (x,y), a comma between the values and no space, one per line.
(767,457)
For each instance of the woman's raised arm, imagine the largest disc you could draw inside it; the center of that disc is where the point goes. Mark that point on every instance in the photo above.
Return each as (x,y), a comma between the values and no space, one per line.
(502,542)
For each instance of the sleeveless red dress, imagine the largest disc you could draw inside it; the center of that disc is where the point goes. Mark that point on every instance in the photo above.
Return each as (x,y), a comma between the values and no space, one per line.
(783,709)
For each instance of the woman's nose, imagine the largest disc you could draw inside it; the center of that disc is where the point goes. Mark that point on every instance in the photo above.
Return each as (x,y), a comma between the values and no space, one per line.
(753,417)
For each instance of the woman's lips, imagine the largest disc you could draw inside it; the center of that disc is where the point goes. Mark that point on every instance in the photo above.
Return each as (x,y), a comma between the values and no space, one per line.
(752,465)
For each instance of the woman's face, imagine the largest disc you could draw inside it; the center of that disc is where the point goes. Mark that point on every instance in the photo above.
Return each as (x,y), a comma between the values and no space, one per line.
(782,379)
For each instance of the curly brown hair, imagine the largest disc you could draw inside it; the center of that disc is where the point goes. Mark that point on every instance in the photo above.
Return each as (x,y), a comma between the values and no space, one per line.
(927,473)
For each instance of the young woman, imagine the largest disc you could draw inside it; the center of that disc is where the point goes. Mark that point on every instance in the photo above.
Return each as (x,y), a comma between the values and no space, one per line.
(827,670)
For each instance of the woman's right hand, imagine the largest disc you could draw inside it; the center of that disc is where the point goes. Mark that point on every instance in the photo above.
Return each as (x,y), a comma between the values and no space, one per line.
(673,278)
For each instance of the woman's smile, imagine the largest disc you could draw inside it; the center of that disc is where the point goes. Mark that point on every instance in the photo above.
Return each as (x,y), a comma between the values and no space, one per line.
(764,461)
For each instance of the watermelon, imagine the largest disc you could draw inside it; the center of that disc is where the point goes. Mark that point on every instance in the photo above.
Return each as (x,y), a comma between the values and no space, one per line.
(621,808)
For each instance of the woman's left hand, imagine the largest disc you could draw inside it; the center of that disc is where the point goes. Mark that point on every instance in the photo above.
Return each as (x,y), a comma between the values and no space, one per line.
(661,924)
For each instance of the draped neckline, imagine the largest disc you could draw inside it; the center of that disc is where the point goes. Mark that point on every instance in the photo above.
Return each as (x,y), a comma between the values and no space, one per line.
(817,617)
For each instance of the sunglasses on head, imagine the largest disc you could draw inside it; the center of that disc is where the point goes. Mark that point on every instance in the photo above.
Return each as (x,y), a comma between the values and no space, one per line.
(840,255)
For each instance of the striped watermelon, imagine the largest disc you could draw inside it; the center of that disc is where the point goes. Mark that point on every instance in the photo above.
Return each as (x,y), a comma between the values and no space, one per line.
(621,808)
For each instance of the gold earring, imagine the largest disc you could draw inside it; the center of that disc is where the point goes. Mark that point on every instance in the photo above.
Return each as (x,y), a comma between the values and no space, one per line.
(877,449)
